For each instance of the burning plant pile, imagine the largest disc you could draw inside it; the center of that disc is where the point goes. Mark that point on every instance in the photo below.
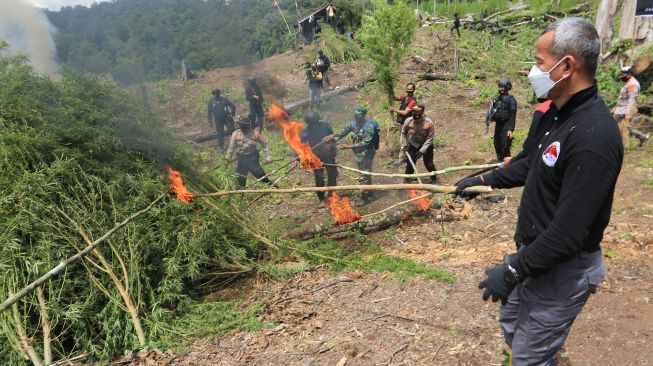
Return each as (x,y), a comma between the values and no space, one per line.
(291,133)
(71,171)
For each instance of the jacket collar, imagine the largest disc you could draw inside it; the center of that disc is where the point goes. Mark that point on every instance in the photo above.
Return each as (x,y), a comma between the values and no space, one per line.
(577,101)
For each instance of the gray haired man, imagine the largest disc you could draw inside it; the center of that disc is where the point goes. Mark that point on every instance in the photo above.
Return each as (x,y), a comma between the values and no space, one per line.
(569,179)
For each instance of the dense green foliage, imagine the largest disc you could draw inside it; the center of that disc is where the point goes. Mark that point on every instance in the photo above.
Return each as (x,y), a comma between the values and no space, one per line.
(79,151)
(386,34)
(139,40)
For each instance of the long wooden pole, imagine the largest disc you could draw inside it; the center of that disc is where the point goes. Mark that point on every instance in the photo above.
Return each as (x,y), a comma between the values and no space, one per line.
(55,271)
(376,187)
(422,175)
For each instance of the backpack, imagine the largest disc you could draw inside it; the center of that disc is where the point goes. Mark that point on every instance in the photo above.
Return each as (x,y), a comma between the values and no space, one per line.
(376,138)
(400,119)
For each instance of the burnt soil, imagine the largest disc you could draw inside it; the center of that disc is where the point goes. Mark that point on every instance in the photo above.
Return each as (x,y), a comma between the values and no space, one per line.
(355,318)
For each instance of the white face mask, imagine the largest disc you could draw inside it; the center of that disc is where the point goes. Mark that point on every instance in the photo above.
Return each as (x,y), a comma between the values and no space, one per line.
(541,81)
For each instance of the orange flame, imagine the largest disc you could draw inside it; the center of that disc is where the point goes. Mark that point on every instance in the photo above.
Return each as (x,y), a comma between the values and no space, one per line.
(423,203)
(177,186)
(341,209)
(291,133)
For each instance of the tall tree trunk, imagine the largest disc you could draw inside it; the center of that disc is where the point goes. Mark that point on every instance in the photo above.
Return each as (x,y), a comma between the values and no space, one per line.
(603,24)
(637,28)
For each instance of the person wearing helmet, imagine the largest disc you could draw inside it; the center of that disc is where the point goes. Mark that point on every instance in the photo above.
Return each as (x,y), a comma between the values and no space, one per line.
(364,134)
(322,63)
(315,85)
(220,112)
(504,113)
(244,143)
(255,98)
(313,135)
(417,140)
(456,25)
(626,107)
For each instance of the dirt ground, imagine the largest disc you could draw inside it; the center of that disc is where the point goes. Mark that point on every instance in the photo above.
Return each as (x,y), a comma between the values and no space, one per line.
(354,318)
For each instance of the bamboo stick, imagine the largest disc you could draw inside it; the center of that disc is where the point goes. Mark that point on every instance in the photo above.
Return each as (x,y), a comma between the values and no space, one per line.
(46,325)
(55,271)
(422,175)
(376,187)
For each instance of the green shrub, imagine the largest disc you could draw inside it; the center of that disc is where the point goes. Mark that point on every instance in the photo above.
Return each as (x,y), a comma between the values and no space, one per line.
(80,154)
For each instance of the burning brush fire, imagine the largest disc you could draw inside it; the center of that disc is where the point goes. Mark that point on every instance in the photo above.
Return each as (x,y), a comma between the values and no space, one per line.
(341,209)
(177,186)
(423,203)
(291,133)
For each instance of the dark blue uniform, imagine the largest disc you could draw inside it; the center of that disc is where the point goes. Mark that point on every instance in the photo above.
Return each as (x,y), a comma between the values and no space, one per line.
(313,135)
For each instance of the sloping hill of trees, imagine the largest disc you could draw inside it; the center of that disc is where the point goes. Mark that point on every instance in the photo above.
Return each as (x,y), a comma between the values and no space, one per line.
(137,40)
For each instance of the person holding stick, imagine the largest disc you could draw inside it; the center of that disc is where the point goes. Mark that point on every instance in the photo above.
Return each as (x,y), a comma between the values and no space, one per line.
(244,143)
(569,177)
(417,135)
(313,135)
(365,137)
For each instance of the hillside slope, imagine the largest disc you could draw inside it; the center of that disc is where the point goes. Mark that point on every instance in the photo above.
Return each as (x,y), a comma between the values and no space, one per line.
(356,317)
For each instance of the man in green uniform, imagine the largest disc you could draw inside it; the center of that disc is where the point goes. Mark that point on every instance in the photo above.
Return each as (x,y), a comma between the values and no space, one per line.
(364,134)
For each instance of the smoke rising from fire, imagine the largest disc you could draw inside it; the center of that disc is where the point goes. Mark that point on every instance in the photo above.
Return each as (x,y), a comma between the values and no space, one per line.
(27,30)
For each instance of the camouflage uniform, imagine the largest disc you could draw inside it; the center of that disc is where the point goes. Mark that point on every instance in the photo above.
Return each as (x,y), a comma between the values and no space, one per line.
(243,144)
(362,136)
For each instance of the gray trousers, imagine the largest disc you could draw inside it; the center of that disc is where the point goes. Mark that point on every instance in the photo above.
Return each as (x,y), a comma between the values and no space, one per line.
(540,311)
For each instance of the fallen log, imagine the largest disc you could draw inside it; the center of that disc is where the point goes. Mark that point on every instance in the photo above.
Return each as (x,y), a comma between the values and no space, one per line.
(373,223)
(326,96)
(375,187)
(443,77)
(295,105)
(646,109)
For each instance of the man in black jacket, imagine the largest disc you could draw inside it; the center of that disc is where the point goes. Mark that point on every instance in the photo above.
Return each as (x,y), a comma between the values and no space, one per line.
(313,135)
(221,111)
(255,98)
(504,113)
(569,178)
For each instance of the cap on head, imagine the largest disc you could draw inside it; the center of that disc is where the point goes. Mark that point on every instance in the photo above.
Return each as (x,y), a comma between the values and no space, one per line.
(244,121)
(418,108)
(361,110)
(505,83)
(628,70)
(216,91)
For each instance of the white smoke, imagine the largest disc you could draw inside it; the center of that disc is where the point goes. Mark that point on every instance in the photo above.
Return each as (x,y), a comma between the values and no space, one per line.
(27,30)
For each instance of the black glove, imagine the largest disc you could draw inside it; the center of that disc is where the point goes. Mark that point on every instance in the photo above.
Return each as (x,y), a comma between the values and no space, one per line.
(496,285)
(502,279)
(417,156)
(468,182)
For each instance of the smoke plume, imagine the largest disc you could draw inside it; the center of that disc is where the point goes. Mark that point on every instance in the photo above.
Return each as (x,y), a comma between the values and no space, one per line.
(27,30)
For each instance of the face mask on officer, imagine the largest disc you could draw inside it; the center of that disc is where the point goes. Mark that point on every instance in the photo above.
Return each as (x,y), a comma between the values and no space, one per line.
(541,80)
(624,77)
(410,91)
(244,127)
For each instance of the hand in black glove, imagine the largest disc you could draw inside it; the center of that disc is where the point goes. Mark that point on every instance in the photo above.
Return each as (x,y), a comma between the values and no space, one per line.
(417,156)
(496,285)
(502,279)
(468,182)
